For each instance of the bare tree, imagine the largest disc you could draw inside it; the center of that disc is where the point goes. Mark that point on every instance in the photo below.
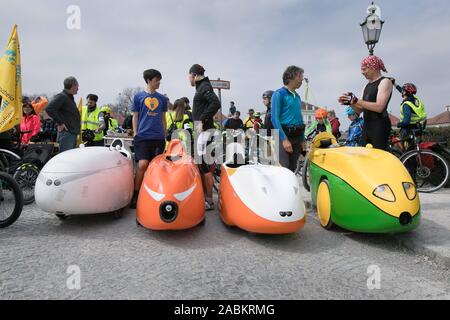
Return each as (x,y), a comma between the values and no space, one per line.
(124,100)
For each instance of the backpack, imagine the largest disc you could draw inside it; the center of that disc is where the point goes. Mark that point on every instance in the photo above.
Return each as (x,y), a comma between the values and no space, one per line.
(172,128)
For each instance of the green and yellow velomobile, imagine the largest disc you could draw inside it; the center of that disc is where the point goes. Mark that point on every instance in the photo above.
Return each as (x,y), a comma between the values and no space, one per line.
(361,189)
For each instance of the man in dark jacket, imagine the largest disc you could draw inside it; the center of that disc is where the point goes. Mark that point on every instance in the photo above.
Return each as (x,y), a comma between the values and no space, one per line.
(235,123)
(206,105)
(63,110)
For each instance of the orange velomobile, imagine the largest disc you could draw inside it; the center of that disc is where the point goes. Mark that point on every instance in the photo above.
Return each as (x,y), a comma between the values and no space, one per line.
(259,198)
(171,196)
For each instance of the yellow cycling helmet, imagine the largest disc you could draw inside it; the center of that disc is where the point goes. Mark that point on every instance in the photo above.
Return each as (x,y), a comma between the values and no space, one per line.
(106,109)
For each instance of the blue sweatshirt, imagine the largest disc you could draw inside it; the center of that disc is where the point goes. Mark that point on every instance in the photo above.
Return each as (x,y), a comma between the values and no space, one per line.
(286,110)
(355,133)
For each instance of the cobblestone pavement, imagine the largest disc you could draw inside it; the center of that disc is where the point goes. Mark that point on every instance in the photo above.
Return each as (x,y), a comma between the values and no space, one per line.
(118,260)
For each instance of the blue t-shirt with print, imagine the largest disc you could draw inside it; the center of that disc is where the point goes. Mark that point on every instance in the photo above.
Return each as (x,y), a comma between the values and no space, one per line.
(150,108)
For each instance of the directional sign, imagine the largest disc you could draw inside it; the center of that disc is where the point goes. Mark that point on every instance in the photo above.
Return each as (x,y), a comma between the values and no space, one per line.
(221,84)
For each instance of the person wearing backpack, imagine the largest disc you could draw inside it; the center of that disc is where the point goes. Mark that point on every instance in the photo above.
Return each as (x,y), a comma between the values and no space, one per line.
(178,119)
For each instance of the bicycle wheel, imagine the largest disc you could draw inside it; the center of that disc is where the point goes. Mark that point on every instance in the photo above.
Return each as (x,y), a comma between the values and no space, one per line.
(305,175)
(300,165)
(429,170)
(216,180)
(9,161)
(26,176)
(396,153)
(11,200)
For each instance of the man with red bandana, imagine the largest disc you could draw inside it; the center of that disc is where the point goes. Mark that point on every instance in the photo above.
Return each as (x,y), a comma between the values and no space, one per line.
(374,103)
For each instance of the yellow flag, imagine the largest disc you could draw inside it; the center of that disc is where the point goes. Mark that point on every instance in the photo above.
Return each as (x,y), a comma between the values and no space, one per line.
(80,110)
(10,84)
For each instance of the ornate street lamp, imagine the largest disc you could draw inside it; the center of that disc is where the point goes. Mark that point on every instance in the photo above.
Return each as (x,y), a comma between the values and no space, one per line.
(372,27)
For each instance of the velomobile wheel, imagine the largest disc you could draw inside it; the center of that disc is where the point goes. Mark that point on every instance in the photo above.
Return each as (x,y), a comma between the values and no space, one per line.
(324,205)
(62,216)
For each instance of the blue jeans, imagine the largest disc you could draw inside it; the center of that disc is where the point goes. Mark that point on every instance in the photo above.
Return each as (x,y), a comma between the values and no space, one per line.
(67,141)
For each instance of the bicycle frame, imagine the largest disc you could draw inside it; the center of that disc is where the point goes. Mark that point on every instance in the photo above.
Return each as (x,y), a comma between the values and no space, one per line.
(4,162)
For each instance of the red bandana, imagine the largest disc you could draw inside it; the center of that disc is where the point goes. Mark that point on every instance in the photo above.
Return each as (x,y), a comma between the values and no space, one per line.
(373,62)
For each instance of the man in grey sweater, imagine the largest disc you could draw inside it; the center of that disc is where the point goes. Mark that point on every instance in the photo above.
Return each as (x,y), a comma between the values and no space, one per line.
(63,110)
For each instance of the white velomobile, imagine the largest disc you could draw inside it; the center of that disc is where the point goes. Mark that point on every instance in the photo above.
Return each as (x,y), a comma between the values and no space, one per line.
(259,198)
(86,181)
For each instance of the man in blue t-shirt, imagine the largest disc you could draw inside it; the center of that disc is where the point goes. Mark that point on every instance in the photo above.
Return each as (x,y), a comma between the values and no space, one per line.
(287,117)
(149,126)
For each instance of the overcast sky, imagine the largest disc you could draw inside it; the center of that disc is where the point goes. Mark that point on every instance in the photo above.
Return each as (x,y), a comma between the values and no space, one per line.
(249,43)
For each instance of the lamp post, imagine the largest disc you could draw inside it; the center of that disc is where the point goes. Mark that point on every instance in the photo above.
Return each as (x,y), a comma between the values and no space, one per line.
(372,27)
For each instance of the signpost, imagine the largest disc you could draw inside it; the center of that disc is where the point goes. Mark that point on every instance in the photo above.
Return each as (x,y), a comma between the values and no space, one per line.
(221,85)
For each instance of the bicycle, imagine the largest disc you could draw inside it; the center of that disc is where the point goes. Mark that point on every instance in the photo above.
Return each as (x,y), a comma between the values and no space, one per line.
(261,154)
(429,169)
(24,173)
(396,146)
(23,166)
(302,164)
(11,200)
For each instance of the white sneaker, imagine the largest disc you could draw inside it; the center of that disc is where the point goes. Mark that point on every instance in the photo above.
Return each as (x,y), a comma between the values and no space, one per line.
(209,206)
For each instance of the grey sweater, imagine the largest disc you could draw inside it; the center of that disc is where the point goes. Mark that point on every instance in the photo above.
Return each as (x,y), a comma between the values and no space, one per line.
(63,110)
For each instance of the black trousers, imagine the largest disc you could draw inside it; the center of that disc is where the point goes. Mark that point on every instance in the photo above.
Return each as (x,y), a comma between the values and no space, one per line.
(376,132)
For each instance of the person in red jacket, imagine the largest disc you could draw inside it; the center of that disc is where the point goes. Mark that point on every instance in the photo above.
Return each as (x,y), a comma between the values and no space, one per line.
(258,122)
(31,123)
(335,124)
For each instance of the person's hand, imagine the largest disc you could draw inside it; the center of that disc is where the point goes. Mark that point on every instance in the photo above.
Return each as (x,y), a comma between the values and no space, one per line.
(344,98)
(61,127)
(287,145)
(348,99)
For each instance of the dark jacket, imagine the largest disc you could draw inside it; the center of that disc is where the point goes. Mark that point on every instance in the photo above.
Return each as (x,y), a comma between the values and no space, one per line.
(128,122)
(234,124)
(63,110)
(268,120)
(206,103)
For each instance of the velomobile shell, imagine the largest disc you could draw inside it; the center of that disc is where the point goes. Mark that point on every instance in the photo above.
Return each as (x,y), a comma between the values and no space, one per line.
(173,182)
(353,175)
(86,181)
(261,199)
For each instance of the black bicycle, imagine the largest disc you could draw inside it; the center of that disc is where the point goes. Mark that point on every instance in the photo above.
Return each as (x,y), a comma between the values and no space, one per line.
(24,163)
(11,200)
(24,173)
(429,170)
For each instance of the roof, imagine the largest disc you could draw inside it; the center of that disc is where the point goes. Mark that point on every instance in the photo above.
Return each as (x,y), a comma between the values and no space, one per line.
(314,108)
(443,118)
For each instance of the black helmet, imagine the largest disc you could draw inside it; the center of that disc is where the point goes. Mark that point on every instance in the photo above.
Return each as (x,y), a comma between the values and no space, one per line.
(268,94)
(26,100)
(88,136)
(186,100)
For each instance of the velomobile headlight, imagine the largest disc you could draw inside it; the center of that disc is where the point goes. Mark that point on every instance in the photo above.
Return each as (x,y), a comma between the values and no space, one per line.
(385,193)
(155,195)
(410,190)
(184,195)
